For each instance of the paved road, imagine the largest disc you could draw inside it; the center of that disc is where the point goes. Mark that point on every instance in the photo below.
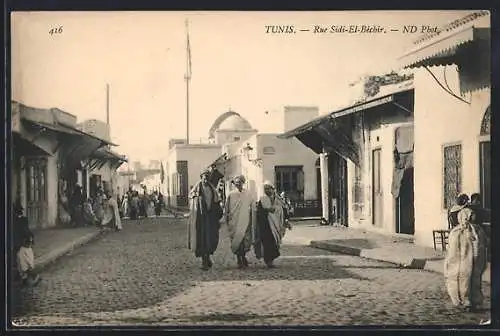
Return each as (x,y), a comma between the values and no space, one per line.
(145,275)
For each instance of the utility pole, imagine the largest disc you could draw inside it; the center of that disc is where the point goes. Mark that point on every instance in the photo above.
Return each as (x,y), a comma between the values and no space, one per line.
(187,77)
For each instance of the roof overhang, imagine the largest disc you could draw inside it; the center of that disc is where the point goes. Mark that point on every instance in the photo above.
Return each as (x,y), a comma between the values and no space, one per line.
(327,133)
(442,49)
(343,112)
(103,155)
(76,144)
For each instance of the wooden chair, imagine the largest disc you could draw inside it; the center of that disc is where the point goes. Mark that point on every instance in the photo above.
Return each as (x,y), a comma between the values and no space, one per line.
(440,237)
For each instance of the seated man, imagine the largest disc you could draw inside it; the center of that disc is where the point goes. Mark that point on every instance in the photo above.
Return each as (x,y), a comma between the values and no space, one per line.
(26,263)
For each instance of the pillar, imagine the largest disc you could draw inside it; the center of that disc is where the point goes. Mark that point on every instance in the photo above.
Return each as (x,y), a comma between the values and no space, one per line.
(87,182)
(323,166)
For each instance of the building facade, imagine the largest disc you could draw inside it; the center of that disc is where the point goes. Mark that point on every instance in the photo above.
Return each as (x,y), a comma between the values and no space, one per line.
(235,147)
(408,149)
(49,158)
(452,133)
(357,166)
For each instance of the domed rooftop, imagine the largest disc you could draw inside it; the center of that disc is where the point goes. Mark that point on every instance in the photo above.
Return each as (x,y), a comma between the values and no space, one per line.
(229,121)
(235,123)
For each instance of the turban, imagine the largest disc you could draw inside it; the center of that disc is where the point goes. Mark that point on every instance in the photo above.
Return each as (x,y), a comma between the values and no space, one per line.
(268,184)
(239,178)
(205,172)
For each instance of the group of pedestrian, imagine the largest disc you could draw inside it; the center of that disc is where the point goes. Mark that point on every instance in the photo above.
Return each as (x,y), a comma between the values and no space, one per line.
(466,256)
(261,224)
(98,210)
(135,205)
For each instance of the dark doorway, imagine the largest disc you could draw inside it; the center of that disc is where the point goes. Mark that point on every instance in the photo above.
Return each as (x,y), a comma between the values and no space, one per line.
(337,184)
(405,208)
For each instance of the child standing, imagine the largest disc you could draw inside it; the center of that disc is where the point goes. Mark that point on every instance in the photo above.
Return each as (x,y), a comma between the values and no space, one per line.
(26,263)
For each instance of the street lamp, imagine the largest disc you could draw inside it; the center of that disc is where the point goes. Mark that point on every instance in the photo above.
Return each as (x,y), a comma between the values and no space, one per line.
(249,149)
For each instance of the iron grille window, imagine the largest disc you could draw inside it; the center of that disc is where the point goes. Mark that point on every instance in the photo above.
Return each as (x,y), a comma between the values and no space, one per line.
(452,174)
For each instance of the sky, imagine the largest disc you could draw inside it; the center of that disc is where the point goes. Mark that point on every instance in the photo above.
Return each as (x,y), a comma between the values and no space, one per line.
(235,65)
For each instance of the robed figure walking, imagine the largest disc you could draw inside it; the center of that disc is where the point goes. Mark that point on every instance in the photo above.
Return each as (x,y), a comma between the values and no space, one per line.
(205,213)
(239,216)
(271,225)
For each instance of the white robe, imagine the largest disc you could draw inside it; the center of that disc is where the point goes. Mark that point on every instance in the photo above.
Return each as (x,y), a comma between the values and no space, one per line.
(239,213)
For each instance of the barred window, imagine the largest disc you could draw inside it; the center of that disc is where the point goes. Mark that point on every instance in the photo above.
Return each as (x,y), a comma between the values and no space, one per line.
(452,174)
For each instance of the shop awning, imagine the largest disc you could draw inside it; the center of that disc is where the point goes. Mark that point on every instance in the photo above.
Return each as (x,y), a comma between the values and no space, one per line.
(346,111)
(104,155)
(75,144)
(23,146)
(327,132)
(441,47)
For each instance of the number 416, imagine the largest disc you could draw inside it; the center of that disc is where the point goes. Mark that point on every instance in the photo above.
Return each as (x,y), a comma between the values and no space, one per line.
(58,30)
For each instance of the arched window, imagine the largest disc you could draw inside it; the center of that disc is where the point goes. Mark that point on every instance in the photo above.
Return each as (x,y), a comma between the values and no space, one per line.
(486,123)
(485,159)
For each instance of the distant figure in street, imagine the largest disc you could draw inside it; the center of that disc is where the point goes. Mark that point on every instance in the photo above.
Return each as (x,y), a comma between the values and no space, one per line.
(89,216)
(134,205)
(158,204)
(111,213)
(26,263)
(125,205)
(239,216)
(461,202)
(465,262)
(98,205)
(270,226)
(287,209)
(203,224)
(143,204)
(76,206)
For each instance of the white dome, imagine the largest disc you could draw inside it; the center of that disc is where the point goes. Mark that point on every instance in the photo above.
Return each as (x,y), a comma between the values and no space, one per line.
(235,123)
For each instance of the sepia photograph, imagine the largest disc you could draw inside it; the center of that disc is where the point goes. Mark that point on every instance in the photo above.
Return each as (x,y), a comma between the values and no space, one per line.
(250,169)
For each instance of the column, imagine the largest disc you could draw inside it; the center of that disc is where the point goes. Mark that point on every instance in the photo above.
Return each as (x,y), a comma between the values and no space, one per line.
(87,182)
(323,166)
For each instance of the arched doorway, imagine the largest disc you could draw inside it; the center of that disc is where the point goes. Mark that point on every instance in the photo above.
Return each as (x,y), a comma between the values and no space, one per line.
(485,159)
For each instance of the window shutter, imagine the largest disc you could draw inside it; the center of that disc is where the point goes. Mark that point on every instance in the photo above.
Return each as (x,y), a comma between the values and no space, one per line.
(300,180)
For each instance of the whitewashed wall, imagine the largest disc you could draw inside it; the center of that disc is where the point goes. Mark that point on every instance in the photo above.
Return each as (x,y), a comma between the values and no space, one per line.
(442,119)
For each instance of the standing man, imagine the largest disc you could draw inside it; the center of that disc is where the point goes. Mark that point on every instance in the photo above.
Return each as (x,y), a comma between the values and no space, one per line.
(271,227)
(205,212)
(239,217)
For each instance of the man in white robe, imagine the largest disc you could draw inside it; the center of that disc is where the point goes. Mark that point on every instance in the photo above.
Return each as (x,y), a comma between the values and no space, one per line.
(239,217)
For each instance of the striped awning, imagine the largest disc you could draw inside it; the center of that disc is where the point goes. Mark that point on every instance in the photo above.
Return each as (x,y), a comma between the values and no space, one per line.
(442,49)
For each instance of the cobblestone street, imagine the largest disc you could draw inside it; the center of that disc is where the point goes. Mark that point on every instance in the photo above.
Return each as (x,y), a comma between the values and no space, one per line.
(146,275)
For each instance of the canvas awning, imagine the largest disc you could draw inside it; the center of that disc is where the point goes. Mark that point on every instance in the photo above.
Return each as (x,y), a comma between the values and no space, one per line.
(442,46)
(443,49)
(327,132)
(75,144)
(104,155)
